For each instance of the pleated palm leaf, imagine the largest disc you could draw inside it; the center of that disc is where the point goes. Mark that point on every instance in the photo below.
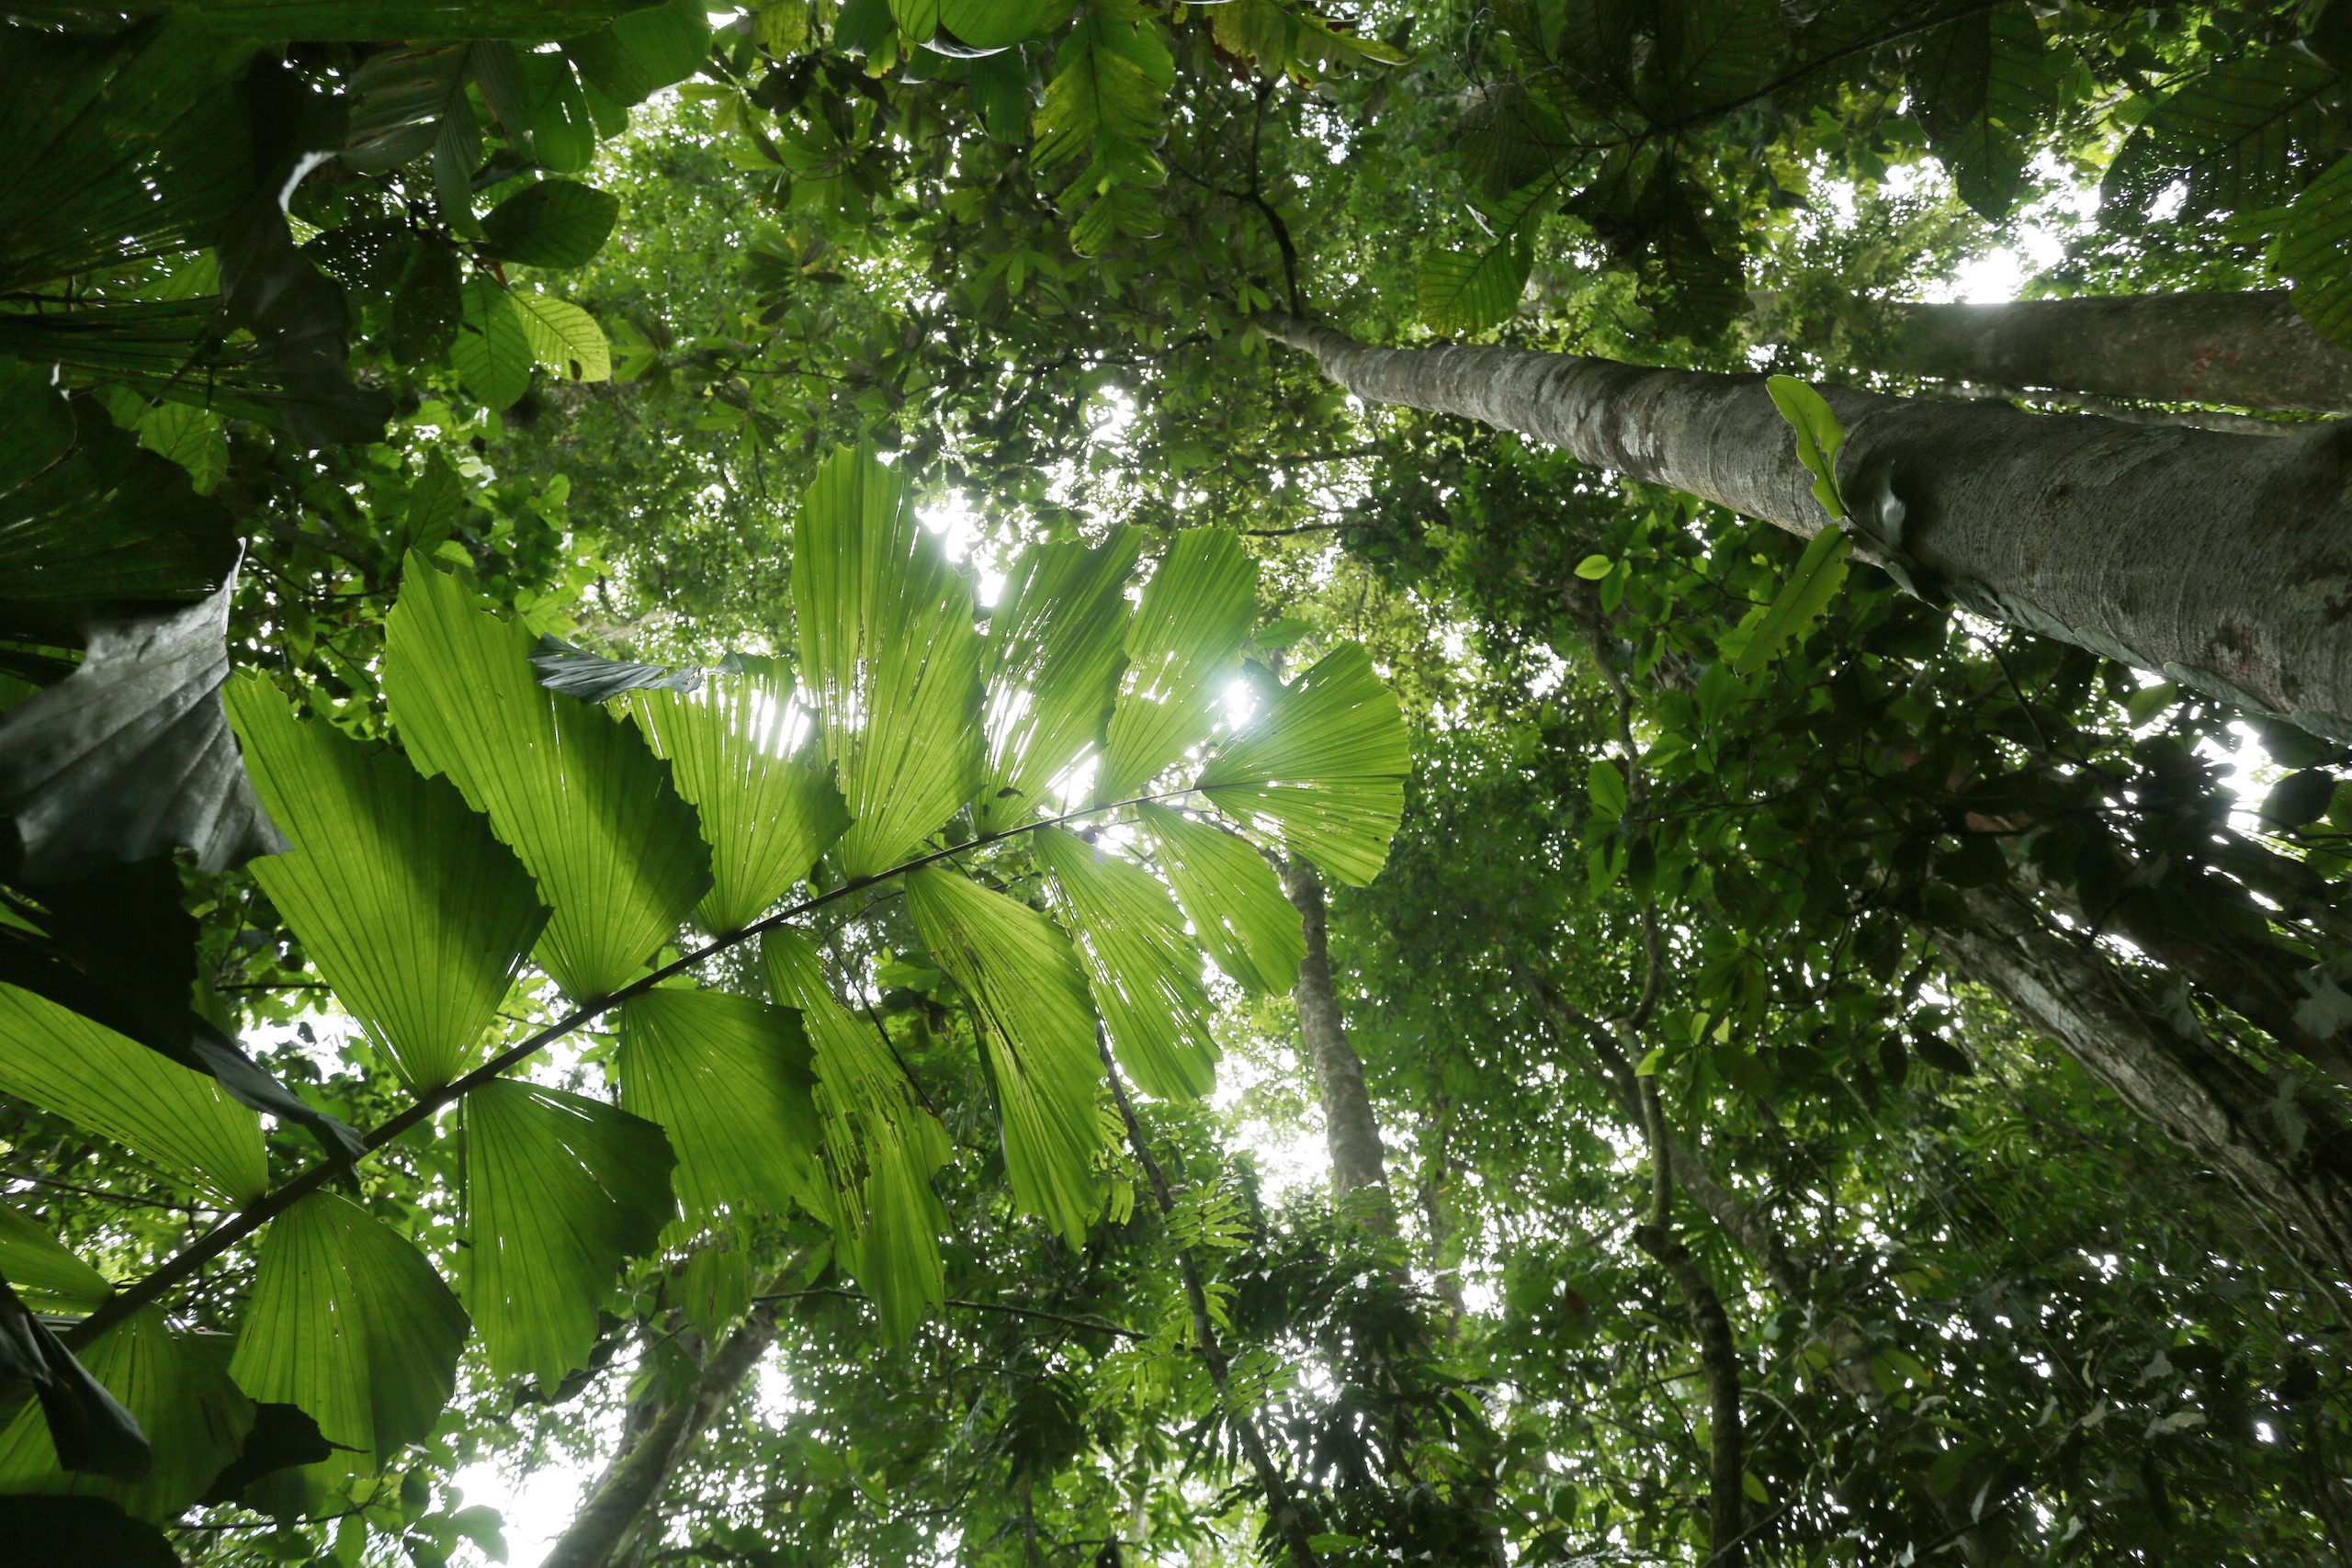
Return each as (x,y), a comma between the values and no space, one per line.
(516,829)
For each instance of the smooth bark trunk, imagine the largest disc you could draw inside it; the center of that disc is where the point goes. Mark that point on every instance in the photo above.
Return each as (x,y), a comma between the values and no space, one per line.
(2250,350)
(2224,561)
(1359,1169)
(2203,1097)
(609,1529)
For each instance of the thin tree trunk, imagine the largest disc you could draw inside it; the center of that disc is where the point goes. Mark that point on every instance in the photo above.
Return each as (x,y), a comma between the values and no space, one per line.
(1283,1511)
(2249,350)
(2204,1097)
(1359,1171)
(2224,561)
(609,1528)
(1718,1347)
(1437,1211)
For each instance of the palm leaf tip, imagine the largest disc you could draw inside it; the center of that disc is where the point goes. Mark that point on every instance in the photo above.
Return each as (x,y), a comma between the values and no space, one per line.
(1324,764)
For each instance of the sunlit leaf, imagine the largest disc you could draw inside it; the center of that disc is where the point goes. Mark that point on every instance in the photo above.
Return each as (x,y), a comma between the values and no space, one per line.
(892,658)
(350,1323)
(765,816)
(1143,968)
(1184,648)
(1325,761)
(559,1191)
(586,806)
(728,1079)
(1233,898)
(177,1121)
(1051,663)
(414,912)
(881,1147)
(1030,1001)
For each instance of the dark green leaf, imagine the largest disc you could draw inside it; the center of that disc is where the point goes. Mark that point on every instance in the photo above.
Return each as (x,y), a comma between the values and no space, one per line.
(2300,799)
(130,756)
(89,1429)
(89,1532)
(555,224)
(644,51)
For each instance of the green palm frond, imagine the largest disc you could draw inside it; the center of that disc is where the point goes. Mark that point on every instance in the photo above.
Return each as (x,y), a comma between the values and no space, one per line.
(1030,1001)
(1051,663)
(1323,765)
(585,804)
(1183,648)
(765,816)
(1144,969)
(892,658)
(1232,897)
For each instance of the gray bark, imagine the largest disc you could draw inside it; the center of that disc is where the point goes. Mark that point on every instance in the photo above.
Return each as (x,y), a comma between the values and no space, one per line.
(2224,561)
(1359,1171)
(2248,350)
(610,1528)
(2203,1097)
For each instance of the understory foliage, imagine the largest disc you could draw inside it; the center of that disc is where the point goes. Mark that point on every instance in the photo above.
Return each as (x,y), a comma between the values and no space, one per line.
(661,673)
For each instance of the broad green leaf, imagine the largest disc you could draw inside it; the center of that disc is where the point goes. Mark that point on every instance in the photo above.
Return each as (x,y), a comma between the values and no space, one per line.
(397,99)
(1606,784)
(765,816)
(644,51)
(917,21)
(1819,436)
(559,1191)
(413,910)
(1325,761)
(1144,969)
(1030,1003)
(563,122)
(193,437)
(493,351)
(2315,250)
(368,21)
(176,1386)
(348,1323)
(728,1079)
(1818,574)
(87,516)
(2231,132)
(1184,648)
(1979,87)
(1468,292)
(717,1288)
(891,658)
(880,1146)
(1109,80)
(554,223)
(586,806)
(564,338)
(990,24)
(1050,668)
(172,1117)
(43,1271)
(1233,898)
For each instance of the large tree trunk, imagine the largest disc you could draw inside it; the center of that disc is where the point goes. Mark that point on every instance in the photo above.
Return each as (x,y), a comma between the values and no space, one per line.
(2224,561)
(1359,1172)
(2241,350)
(2203,1097)
(609,1529)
